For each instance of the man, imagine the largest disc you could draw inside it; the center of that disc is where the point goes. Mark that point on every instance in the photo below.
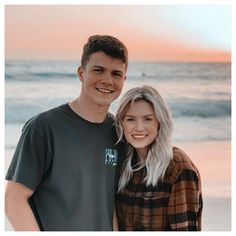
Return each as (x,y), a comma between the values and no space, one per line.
(63,170)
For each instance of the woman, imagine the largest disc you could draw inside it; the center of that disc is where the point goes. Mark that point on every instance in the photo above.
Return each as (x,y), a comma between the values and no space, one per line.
(159,187)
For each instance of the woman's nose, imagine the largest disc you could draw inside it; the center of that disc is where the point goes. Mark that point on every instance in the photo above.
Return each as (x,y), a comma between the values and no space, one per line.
(139,126)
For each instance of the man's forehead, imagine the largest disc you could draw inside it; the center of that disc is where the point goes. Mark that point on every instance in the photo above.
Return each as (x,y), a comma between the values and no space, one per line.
(99,55)
(105,61)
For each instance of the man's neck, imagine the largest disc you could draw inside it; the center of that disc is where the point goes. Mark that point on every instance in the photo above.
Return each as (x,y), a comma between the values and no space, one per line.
(95,114)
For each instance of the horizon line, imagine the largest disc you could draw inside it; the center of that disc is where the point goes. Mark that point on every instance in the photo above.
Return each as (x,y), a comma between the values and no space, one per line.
(160,61)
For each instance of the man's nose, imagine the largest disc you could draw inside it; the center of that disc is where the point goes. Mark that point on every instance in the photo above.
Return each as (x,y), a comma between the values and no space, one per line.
(107,79)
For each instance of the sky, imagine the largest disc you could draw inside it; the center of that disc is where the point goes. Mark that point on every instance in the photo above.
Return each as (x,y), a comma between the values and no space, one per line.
(150,32)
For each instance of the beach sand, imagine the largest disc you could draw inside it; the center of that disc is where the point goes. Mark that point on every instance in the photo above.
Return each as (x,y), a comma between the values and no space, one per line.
(213,160)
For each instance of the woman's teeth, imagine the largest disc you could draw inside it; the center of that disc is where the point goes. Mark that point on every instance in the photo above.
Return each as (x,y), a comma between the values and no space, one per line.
(139,136)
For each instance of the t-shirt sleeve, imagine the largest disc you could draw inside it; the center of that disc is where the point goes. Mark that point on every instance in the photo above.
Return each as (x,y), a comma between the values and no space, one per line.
(185,202)
(31,159)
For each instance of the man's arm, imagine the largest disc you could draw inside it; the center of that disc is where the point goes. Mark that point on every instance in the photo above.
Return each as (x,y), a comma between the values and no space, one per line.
(115,223)
(17,208)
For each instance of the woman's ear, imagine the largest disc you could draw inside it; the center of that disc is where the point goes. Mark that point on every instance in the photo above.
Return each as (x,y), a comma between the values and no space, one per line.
(80,72)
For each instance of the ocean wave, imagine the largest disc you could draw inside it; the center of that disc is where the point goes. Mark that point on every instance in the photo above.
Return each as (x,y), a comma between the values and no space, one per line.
(202,138)
(53,75)
(200,108)
(158,71)
(20,111)
(39,70)
(33,76)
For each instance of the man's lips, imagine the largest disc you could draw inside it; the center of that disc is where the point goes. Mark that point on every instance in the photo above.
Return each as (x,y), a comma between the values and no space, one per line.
(104,90)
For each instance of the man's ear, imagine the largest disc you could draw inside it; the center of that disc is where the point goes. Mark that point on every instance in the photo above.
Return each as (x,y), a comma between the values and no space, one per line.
(80,72)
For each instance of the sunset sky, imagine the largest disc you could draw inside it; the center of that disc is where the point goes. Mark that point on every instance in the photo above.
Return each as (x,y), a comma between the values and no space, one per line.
(151,32)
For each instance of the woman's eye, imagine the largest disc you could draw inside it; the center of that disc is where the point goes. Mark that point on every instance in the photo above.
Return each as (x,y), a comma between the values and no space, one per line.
(148,119)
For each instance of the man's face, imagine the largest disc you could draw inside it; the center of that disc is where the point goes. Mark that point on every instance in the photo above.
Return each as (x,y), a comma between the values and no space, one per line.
(102,79)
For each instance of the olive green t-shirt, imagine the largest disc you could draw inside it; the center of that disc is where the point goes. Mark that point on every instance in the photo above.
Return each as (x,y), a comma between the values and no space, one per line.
(70,164)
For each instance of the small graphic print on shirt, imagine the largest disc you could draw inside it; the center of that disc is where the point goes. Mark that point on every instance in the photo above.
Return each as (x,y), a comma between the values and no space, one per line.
(111,156)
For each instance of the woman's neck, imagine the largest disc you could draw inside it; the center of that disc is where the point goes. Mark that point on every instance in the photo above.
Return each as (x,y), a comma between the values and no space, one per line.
(142,154)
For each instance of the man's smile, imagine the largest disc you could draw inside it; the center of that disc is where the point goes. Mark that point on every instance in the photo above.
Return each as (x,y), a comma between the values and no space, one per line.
(104,90)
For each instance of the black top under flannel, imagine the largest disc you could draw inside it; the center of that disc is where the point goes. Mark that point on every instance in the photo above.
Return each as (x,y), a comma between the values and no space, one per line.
(174,204)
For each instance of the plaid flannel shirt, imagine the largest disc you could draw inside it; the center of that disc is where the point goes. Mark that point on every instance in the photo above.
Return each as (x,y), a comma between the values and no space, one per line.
(175,204)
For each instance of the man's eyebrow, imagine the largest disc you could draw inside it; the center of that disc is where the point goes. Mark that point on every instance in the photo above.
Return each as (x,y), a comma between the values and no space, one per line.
(97,66)
(118,71)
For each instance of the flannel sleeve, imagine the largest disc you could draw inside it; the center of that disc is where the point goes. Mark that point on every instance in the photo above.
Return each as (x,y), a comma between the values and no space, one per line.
(185,202)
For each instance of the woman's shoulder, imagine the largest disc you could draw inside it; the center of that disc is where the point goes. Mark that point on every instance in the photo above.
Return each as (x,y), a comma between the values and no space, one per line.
(180,163)
(181,159)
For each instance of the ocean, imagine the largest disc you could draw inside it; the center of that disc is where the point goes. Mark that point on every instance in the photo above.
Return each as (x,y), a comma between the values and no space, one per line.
(198,94)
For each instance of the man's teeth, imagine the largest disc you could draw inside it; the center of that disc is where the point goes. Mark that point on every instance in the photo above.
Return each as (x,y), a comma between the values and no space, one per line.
(104,90)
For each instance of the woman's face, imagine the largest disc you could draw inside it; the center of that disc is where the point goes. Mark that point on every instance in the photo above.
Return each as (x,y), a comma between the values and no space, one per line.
(140,126)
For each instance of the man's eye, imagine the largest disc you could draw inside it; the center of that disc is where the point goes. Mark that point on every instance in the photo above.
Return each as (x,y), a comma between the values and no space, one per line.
(117,75)
(98,70)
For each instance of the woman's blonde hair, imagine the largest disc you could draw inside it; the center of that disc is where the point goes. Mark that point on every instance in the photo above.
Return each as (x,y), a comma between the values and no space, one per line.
(160,152)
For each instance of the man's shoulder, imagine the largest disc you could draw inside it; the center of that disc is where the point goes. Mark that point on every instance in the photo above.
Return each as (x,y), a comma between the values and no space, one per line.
(44,118)
(109,121)
(110,116)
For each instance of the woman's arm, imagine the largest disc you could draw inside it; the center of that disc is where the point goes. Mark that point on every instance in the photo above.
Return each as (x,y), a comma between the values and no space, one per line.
(185,202)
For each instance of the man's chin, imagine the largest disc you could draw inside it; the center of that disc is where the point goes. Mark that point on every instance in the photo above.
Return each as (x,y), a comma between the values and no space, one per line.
(105,102)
